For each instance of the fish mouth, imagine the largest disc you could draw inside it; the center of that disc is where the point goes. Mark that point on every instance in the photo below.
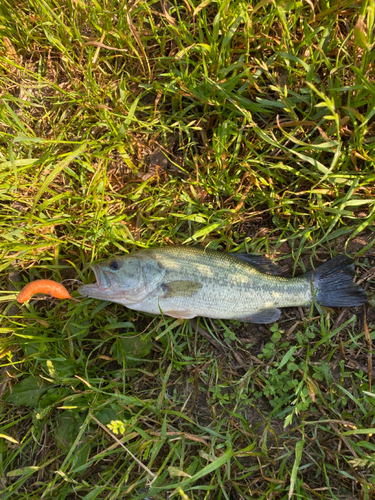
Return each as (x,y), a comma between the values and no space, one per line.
(99,290)
(102,279)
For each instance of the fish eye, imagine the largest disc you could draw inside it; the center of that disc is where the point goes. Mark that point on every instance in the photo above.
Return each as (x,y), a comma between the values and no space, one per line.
(114,265)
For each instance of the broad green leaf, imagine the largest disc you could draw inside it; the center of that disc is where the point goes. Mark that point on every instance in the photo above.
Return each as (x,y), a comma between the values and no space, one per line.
(67,429)
(132,349)
(61,368)
(106,415)
(27,392)
(78,327)
(287,357)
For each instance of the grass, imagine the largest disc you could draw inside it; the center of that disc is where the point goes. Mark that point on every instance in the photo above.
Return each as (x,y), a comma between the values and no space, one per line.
(236,125)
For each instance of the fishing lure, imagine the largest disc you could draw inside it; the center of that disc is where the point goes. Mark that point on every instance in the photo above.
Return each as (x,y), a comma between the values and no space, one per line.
(49,287)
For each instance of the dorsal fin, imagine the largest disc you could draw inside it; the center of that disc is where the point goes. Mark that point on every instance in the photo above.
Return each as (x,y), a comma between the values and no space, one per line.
(261,263)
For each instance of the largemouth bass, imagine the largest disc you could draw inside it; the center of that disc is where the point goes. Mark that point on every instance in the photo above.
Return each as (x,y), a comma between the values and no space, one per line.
(184,282)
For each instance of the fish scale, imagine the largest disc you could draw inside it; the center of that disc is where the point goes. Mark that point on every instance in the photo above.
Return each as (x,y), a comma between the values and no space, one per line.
(185,282)
(232,288)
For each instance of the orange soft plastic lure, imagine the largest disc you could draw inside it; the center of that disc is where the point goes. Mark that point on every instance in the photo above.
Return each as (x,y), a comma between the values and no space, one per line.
(49,287)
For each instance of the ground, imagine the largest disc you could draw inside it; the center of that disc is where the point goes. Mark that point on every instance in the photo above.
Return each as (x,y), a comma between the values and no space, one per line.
(238,126)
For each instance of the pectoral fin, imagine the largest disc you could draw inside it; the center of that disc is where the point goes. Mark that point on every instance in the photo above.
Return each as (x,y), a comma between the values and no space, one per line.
(262,317)
(183,288)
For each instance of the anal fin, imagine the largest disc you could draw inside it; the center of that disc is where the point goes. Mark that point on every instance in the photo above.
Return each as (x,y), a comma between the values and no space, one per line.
(180,314)
(262,317)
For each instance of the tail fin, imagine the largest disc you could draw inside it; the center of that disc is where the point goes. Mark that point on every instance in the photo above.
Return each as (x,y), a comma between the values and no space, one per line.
(333,285)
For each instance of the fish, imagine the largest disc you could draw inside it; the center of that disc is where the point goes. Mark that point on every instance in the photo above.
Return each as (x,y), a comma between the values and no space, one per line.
(189,281)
